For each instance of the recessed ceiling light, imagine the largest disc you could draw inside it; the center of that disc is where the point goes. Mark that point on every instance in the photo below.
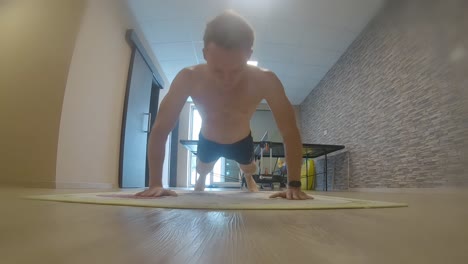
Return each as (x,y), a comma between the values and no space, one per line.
(254,63)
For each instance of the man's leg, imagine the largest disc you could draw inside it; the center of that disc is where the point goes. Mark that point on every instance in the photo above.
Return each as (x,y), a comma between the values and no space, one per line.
(203,169)
(249,170)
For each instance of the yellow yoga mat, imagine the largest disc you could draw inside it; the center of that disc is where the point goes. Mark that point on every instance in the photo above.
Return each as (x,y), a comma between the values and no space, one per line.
(219,200)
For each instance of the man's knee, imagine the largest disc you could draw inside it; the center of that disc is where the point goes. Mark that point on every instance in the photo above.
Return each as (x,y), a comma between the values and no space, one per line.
(204,168)
(249,168)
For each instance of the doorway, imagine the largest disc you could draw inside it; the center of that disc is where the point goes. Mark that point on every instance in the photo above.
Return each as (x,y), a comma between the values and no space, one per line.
(225,172)
(153,111)
(139,113)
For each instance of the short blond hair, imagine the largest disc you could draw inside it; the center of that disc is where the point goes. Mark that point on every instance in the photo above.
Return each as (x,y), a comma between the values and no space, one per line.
(229,30)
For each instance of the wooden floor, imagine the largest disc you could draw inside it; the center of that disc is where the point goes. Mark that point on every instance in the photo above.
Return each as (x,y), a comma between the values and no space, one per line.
(434,229)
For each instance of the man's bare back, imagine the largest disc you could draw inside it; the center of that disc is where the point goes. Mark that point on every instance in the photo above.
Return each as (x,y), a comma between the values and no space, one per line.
(226,111)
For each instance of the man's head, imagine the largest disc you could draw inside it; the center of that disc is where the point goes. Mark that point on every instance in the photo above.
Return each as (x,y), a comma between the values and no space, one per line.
(228,46)
(230,31)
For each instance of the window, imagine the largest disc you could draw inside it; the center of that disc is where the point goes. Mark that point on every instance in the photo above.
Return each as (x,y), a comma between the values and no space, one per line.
(218,173)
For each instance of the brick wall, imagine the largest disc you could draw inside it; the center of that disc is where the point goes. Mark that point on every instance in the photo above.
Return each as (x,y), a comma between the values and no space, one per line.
(396,99)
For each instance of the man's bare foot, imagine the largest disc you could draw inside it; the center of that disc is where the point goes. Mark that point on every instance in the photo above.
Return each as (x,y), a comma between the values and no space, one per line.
(200,185)
(251,184)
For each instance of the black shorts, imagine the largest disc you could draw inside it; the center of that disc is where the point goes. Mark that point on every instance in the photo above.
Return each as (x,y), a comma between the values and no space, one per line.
(241,151)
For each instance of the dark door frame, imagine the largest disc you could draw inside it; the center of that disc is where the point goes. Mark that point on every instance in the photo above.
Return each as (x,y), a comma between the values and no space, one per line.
(174,153)
(153,110)
(135,43)
(136,46)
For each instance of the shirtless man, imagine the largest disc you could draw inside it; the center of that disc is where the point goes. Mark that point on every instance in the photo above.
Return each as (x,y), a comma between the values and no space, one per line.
(226,91)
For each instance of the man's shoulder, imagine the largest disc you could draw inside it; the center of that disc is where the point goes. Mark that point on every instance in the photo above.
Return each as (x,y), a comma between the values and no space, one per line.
(193,72)
(198,68)
(263,75)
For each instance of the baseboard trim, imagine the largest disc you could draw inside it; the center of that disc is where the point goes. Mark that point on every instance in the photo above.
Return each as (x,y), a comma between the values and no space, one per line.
(411,190)
(20,184)
(58,185)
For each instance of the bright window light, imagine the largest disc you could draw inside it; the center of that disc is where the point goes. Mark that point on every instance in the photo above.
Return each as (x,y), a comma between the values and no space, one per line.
(254,63)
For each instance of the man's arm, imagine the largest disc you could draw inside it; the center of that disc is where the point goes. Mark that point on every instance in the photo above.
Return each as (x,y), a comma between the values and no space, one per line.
(286,121)
(166,119)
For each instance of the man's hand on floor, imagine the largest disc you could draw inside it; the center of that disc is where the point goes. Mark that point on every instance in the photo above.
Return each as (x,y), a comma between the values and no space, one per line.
(292,194)
(156,192)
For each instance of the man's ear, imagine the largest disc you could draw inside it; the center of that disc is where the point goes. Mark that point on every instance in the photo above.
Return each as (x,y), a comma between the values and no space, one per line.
(204,53)
(249,54)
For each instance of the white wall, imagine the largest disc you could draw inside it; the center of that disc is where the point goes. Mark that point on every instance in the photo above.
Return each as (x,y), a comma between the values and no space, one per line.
(262,121)
(90,128)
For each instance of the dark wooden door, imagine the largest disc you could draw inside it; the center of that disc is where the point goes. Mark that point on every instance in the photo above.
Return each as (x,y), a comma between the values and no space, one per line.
(136,124)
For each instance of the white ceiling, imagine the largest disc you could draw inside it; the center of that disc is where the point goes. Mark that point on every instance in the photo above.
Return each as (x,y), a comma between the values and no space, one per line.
(299,40)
